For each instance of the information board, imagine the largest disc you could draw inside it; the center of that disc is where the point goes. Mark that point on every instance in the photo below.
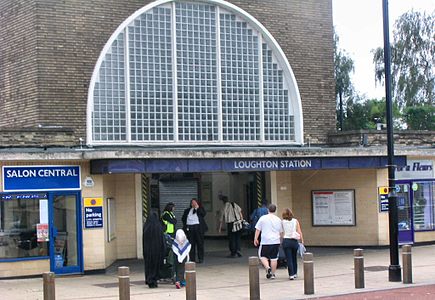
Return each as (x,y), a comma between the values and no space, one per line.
(333,208)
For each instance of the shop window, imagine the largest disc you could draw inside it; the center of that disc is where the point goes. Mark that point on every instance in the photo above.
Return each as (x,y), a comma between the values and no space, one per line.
(20,216)
(424,205)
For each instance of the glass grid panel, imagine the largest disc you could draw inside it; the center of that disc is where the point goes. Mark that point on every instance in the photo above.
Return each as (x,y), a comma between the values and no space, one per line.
(152,81)
(240,81)
(151,88)
(196,72)
(109,117)
(278,123)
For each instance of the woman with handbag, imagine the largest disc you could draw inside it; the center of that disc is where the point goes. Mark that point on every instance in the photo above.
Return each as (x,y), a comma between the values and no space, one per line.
(233,217)
(290,244)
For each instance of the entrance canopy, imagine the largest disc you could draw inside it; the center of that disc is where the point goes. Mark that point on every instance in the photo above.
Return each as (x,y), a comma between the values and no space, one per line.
(238,165)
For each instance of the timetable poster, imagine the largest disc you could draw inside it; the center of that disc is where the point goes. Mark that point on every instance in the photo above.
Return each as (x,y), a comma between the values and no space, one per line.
(333,208)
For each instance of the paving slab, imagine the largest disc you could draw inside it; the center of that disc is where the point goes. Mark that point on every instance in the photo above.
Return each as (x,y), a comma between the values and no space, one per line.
(224,278)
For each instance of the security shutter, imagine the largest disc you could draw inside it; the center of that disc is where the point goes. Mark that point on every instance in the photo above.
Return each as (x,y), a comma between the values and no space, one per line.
(179,192)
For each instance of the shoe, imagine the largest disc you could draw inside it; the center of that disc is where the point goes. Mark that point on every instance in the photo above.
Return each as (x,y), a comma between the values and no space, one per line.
(183,283)
(292,277)
(273,276)
(268,273)
(296,276)
(239,254)
(177,285)
(231,256)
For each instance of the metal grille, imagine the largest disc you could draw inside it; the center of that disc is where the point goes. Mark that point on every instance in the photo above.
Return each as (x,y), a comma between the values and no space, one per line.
(181,193)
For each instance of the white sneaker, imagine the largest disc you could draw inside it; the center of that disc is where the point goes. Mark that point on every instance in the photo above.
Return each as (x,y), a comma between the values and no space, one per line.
(273,276)
(292,277)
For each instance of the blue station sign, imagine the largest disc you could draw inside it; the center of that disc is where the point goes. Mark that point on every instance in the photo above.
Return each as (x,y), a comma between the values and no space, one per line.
(40,178)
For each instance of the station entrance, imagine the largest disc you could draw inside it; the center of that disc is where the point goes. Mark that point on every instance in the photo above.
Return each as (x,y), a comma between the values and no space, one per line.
(247,189)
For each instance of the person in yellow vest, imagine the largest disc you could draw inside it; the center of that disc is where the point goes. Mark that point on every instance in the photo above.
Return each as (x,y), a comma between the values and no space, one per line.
(168,219)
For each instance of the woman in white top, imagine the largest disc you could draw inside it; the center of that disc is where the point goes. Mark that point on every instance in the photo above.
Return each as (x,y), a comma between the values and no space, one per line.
(290,243)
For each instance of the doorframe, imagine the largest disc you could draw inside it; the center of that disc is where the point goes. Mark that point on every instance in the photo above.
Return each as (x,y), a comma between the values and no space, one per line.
(80,266)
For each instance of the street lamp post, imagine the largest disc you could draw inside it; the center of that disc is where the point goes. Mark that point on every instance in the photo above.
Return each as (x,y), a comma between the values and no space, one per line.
(394,272)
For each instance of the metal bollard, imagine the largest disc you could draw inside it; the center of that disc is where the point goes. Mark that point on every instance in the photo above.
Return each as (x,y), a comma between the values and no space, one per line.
(124,283)
(407,263)
(190,275)
(308,273)
(49,286)
(254,279)
(358,263)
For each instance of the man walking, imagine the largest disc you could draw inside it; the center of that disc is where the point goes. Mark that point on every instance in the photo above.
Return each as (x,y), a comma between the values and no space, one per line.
(270,227)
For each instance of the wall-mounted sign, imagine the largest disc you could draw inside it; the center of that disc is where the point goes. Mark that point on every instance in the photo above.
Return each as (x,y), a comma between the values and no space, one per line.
(383,198)
(93,212)
(88,182)
(333,208)
(40,178)
(415,169)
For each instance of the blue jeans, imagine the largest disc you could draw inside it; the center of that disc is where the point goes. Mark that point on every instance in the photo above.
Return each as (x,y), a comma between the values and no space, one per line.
(290,247)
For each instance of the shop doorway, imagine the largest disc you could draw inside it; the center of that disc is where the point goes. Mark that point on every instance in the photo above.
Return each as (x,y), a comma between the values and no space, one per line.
(65,234)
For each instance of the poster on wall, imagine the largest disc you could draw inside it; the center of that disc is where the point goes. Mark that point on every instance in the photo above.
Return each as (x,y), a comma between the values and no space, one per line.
(333,208)
(93,212)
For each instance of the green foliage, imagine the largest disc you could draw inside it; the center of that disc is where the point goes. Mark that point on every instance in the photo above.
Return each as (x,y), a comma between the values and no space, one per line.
(420,117)
(365,114)
(412,60)
(343,67)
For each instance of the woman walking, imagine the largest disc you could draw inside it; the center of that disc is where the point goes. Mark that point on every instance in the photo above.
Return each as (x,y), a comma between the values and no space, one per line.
(290,243)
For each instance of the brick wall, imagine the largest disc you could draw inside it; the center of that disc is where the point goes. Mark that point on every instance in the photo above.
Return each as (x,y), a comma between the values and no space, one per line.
(71,34)
(355,138)
(18,64)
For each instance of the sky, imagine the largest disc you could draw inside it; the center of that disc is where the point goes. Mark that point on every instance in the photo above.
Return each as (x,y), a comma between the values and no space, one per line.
(359,26)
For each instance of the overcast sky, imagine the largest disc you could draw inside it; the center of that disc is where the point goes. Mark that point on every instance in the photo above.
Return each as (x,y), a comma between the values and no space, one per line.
(359,26)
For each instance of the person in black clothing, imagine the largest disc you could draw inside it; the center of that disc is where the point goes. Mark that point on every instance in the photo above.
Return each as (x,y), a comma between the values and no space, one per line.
(153,249)
(194,225)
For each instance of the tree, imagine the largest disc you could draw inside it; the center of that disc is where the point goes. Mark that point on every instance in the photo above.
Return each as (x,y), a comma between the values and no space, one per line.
(366,113)
(412,60)
(420,117)
(343,66)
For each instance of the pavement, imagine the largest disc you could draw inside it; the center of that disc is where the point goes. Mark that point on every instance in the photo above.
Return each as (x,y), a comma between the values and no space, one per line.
(224,278)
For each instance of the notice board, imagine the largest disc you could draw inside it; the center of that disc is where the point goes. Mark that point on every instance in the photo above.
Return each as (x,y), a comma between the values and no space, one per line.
(333,208)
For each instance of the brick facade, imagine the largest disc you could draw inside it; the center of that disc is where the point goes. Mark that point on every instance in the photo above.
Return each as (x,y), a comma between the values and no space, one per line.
(50,48)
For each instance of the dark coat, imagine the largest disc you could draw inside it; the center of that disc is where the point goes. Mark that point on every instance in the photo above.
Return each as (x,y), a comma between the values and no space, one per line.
(153,249)
(201,214)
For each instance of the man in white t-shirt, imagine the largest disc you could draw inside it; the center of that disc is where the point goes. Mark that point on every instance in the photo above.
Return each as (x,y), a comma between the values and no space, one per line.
(270,227)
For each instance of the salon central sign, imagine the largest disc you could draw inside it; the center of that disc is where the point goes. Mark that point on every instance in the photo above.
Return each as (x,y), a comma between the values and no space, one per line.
(40,178)
(271,164)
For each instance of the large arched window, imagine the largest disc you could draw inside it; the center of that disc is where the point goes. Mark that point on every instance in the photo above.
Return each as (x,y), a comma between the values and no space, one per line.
(193,73)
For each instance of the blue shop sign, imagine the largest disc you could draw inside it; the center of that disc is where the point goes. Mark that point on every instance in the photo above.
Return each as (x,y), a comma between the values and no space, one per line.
(40,178)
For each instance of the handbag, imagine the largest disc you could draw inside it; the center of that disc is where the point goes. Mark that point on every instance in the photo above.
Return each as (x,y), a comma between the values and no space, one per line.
(301,250)
(246,225)
(237,225)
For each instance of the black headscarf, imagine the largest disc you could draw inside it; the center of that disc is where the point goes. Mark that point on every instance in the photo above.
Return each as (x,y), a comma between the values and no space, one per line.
(153,249)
